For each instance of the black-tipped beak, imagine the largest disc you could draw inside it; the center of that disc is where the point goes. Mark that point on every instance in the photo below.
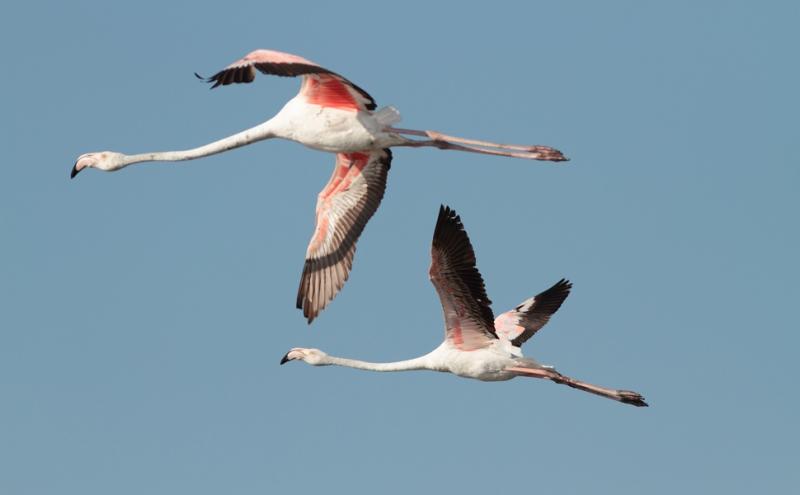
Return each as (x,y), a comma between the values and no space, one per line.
(285,359)
(74,171)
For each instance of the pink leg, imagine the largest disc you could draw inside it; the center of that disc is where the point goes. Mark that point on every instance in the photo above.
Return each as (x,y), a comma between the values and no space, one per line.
(445,142)
(624,396)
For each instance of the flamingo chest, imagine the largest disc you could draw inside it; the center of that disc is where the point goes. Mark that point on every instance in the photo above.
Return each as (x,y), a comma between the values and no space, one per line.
(326,128)
(480,364)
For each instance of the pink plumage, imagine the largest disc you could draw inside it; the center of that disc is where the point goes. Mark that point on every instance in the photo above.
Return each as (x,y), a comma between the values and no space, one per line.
(330,113)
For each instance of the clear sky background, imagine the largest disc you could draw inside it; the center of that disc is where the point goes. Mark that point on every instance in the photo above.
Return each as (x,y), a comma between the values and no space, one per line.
(143,313)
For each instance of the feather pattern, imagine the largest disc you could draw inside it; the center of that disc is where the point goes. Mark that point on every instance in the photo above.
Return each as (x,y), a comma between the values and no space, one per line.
(467,308)
(344,206)
(320,85)
(522,322)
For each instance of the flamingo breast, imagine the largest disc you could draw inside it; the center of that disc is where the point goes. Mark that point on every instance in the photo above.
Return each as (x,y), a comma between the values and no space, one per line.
(331,129)
(487,364)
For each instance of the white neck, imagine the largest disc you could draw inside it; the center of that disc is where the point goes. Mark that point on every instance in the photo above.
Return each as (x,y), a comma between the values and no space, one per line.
(243,138)
(420,363)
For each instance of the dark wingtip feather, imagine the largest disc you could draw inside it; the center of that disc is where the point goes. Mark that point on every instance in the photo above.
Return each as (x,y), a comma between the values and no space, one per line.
(302,294)
(208,79)
(216,79)
(447,222)
(551,299)
(565,283)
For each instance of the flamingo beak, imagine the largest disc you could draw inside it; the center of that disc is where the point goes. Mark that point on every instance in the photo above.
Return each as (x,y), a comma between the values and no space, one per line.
(285,359)
(75,171)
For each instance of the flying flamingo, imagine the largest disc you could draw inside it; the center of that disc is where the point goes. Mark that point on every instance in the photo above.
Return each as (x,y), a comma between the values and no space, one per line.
(331,114)
(474,345)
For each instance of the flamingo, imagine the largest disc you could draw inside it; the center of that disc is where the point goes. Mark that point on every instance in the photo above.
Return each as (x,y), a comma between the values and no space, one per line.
(475,344)
(331,114)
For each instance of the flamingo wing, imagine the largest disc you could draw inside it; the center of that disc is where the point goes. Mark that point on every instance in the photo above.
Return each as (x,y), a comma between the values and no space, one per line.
(344,207)
(519,324)
(320,85)
(467,308)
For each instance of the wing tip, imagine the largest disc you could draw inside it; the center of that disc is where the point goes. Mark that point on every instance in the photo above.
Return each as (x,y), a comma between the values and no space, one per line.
(209,79)
(448,221)
(303,302)
(563,285)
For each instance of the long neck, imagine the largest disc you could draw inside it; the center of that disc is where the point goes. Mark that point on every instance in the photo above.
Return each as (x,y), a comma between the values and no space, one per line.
(420,363)
(243,138)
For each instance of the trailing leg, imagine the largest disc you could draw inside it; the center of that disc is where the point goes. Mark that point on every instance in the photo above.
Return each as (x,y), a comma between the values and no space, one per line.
(445,142)
(624,396)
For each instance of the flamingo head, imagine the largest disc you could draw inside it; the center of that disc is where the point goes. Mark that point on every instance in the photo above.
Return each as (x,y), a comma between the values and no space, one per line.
(314,357)
(102,160)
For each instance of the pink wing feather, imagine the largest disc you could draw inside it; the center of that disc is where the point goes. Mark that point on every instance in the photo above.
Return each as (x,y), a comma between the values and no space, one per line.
(320,85)
(344,207)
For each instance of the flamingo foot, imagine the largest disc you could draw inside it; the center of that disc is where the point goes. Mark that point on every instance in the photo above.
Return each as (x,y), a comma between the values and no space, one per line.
(548,153)
(632,398)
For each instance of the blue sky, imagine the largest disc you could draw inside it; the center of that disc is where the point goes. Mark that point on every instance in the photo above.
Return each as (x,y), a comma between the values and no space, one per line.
(143,313)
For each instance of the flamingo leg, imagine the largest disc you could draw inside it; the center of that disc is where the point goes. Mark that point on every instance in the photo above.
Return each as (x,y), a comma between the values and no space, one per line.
(443,141)
(624,396)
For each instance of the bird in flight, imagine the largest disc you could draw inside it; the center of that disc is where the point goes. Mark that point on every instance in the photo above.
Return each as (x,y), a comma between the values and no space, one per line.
(476,345)
(331,114)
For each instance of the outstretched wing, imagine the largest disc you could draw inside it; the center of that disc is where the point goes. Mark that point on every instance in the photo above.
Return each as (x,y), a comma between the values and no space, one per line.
(519,324)
(467,309)
(320,85)
(344,207)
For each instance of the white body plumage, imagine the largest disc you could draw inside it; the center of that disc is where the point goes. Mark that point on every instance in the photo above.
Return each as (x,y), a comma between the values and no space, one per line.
(333,129)
(476,345)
